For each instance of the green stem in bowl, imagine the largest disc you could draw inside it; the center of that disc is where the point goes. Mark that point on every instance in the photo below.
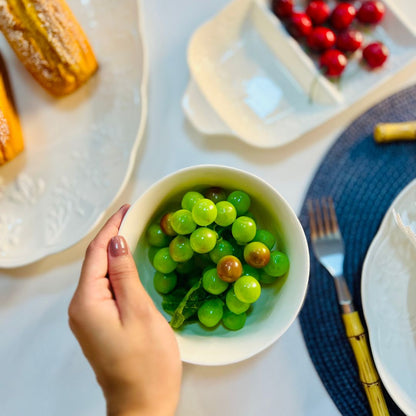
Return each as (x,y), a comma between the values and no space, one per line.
(189,304)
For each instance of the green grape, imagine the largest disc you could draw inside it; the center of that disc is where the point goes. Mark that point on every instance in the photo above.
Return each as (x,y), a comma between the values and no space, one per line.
(212,283)
(166,226)
(240,200)
(266,279)
(203,261)
(215,194)
(221,249)
(278,264)
(233,304)
(249,214)
(210,312)
(250,271)
(243,229)
(186,267)
(256,254)
(152,251)
(163,262)
(265,237)
(180,249)
(226,213)
(229,268)
(182,222)
(156,237)
(233,321)
(164,282)
(204,212)
(190,199)
(247,289)
(193,279)
(237,249)
(203,240)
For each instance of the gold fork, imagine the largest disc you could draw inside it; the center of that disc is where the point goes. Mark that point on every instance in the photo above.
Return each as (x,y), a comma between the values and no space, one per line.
(328,246)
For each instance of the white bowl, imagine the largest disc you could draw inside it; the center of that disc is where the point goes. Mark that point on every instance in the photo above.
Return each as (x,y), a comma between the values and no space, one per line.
(278,305)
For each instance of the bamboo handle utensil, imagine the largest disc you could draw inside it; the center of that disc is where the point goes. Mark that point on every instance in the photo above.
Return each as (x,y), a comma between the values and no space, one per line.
(328,246)
(366,369)
(389,132)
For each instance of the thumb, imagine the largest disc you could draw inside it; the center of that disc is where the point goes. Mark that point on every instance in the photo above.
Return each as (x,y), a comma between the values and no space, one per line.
(124,278)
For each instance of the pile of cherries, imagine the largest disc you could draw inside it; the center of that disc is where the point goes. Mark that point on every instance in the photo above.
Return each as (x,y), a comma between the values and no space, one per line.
(333,33)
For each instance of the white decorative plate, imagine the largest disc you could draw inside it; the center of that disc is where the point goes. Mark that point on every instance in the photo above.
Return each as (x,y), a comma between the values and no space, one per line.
(389,302)
(80,149)
(251,80)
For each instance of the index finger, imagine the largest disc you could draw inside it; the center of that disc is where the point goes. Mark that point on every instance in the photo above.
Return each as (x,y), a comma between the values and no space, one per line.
(95,264)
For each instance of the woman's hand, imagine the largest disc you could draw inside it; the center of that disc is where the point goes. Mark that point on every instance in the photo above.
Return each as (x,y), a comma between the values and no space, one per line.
(128,343)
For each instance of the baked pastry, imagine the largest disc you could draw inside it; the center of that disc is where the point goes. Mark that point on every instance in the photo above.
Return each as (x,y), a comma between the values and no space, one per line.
(49,42)
(11,138)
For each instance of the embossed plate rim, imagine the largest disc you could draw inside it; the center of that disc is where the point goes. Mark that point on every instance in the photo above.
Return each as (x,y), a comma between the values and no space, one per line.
(32,243)
(390,323)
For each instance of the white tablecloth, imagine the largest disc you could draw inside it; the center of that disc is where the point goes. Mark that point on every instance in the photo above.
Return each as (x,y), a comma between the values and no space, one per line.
(42,369)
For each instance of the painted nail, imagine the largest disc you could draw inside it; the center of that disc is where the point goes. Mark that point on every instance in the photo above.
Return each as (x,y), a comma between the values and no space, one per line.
(118,246)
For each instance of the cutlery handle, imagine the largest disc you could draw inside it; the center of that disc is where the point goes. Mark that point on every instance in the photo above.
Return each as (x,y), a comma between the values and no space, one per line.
(389,132)
(367,371)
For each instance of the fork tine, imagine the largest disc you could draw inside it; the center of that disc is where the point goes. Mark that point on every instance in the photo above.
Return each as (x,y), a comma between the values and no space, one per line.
(312,223)
(322,217)
(320,225)
(316,230)
(333,216)
(325,210)
(315,219)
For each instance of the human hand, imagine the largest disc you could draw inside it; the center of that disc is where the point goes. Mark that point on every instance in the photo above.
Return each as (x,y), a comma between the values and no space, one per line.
(129,344)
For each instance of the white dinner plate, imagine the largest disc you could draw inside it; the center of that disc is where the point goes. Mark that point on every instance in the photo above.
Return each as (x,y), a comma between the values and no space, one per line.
(251,80)
(388,291)
(80,149)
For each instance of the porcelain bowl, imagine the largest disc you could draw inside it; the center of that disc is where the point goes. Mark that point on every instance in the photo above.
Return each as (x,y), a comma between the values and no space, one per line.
(278,305)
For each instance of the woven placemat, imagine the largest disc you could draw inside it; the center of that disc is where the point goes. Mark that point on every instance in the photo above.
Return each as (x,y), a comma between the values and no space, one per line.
(363,178)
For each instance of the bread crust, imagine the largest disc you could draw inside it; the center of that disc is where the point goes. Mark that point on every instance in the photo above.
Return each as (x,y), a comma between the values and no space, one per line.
(50,43)
(11,137)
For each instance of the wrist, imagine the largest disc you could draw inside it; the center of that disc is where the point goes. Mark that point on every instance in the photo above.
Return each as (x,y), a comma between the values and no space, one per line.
(132,403)
(154,410)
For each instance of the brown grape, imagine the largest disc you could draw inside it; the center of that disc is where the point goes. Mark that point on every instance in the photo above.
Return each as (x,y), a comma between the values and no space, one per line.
(229,269)
(256,254)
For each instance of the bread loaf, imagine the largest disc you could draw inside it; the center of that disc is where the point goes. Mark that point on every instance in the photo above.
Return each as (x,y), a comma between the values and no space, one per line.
(49,42)
(11,138)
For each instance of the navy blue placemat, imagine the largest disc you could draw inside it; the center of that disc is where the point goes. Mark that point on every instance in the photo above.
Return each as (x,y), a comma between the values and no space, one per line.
(363,178)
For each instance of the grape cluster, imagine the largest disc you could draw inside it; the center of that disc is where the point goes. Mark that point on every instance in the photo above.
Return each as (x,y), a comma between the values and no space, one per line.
(212,259)
(334,33)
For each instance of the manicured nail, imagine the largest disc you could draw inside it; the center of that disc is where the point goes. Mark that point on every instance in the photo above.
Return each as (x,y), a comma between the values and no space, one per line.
(118,246)
(124,207)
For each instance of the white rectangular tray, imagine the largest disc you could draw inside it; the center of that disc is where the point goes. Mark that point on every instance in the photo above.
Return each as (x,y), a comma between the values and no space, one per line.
(252,80)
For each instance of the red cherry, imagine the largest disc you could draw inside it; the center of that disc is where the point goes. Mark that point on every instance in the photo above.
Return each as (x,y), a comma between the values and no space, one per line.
(349,40)
(318,11)
(333,62)
(342,15)
(282,8)
(321,38)
(371,12)
(375,54)
(299,25)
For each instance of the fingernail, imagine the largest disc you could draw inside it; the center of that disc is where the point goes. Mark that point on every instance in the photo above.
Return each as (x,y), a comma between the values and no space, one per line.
(118,246)
(124,207)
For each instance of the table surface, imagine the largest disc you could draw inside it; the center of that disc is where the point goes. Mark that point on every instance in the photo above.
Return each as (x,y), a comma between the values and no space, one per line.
(43,371)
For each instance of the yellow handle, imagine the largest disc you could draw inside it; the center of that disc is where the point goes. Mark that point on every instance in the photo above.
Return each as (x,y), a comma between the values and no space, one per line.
(389,132)
(367,371)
